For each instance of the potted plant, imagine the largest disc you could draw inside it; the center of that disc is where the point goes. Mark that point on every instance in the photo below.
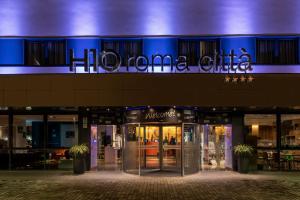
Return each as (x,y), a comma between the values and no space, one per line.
(78,153)
(244,152)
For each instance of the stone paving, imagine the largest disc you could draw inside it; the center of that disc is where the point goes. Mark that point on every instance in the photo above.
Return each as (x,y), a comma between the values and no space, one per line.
(59,185)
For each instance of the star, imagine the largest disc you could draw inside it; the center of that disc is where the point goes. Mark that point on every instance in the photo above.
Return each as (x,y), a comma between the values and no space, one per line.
(227,79)
(250,79)
(235,79)
(243,78)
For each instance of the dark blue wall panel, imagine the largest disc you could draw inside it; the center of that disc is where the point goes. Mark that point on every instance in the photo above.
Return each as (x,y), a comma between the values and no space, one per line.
(11,51)
(236,43)
(299,50)
(163,46)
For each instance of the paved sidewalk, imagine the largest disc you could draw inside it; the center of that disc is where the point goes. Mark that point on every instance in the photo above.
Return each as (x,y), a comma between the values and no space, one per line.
(58,185)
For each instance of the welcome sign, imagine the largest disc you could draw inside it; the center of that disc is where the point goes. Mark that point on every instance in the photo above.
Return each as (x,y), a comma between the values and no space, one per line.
(219,62)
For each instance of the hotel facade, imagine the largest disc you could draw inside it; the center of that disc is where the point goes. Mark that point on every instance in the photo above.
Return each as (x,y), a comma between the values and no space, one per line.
(153,89)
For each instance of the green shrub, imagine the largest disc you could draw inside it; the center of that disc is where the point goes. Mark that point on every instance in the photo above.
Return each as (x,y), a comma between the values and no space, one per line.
(79,150)
(243,150)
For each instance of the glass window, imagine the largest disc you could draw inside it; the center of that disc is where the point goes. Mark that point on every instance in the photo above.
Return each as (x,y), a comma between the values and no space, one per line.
(3,132)
(125,48)
(290,130)
(267,159)
(217,146)
(208,48)
(62,134)
(195,49)
(277,51)
(28,142)
(290,160)
(132,133)
(45,52)
(4,156)
(62,131)
(190,49)
(288,51)
(263,128)
(28,131)
(265,51)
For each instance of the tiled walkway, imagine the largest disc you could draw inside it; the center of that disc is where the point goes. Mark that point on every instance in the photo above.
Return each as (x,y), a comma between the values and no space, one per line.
(57,185)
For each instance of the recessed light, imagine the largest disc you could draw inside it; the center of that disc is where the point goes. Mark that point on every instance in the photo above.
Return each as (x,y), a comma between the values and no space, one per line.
(28,108)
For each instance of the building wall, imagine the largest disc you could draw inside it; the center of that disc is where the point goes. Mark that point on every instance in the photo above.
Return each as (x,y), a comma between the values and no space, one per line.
(142,89)
(144,17)
(147,89)
(11,51)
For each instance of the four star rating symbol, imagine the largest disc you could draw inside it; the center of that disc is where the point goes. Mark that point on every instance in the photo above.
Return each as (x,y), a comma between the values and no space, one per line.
(243,78)
(227,79)
(235,79)
(250,78)
(239,79)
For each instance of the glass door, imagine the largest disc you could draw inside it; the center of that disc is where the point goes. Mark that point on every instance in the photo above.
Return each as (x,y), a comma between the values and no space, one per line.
(150,148)
(217,148)
(171,148)
(131,152)
(109,147)
(191,148)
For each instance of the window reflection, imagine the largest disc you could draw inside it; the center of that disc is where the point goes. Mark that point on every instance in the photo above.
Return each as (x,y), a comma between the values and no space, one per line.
(217,147)
(62,134)
(4,144)
(28,142)
(3,132)
(28,131)
(267,159)
(263,127)
(290,160)
(290,130)
(171,135)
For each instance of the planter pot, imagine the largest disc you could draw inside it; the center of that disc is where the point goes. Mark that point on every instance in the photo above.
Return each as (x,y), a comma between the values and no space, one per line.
(78,165)
(243,164)
(260,167)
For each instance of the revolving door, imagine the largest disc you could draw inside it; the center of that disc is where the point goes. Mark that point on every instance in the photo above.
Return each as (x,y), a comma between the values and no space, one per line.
(150,148)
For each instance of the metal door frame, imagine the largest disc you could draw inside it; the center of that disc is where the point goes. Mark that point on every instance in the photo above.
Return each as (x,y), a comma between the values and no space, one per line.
(124,146)
(121,147)
(214,124)
(196,125)
(161,143)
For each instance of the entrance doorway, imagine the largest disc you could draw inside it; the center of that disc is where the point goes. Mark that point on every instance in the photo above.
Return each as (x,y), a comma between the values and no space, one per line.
(160,148)
(105,147)
(217,147)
